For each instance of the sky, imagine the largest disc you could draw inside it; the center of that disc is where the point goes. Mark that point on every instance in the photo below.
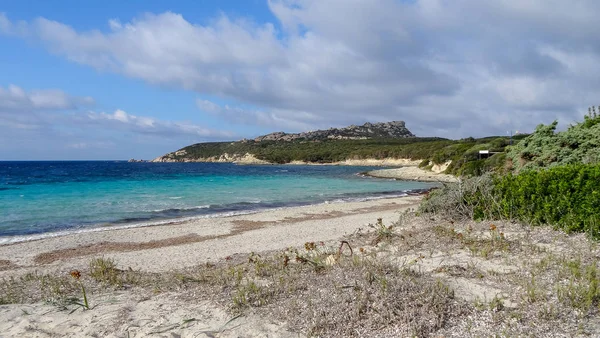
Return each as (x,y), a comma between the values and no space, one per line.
(111,79)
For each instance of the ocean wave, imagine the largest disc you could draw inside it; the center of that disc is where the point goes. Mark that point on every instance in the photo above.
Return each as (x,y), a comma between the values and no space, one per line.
(206,206)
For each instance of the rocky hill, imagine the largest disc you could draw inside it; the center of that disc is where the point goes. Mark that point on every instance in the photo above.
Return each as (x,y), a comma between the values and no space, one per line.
(322,146)
(392,129)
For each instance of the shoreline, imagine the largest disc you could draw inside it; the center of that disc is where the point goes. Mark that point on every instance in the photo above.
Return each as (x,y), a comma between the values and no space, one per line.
(187,243)
(186,279)
(101,227)
(412,173)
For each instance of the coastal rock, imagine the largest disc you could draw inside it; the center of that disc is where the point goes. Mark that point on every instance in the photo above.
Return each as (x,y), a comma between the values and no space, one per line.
(395,129)
(180,156)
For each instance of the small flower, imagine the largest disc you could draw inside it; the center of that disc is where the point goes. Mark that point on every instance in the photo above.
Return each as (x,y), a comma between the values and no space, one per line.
(75,274)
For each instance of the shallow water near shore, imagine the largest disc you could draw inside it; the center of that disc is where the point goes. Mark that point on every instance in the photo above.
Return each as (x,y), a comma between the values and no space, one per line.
(43,198)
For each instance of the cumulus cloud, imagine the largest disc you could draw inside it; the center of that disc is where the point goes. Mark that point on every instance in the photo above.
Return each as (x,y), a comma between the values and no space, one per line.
(448,68)
(50,124)
(54,109)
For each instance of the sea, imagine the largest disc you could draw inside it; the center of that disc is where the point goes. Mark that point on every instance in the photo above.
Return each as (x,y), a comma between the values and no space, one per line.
(43,199)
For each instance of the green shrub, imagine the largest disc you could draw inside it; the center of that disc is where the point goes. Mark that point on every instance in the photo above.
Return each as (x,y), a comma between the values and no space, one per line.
(468,198)
(567,197)
(564,196)
(424,163)
(580,143)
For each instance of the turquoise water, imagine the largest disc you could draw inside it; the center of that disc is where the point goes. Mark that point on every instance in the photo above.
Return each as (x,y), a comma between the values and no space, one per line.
(42,198)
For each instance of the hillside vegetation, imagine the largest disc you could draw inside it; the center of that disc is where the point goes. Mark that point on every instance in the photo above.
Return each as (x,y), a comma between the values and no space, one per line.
(544,148)
(580,143)
(463,153)
(553,178)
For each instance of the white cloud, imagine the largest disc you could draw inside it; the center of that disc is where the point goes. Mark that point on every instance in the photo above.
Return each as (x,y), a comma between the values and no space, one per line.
(14,98)
(272,119)
(91,145)
(451,68)
(5,24)
(50,124)
(114,24)
(150,126)
(54,109)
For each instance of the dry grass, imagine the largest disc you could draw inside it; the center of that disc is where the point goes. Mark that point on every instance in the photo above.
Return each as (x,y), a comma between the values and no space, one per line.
(325,291)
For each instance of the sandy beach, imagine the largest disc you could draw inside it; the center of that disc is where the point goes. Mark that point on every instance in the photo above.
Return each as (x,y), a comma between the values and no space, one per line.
(413,173)
(183,244)
(168,248)
(256,276)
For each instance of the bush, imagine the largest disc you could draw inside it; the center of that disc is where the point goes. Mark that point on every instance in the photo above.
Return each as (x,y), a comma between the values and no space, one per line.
(567,197)
(424,163)
(461,200)
(545,148)
(564,196)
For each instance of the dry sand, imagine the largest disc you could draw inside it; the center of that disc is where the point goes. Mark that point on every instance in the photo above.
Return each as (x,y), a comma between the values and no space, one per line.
(413,173)
(171,247)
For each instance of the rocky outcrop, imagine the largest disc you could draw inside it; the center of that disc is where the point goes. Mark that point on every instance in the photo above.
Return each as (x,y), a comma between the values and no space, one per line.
(180,156)
(394,129)
(244,151)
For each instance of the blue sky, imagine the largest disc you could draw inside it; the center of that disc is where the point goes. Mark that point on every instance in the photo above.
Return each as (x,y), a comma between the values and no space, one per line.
(116,80)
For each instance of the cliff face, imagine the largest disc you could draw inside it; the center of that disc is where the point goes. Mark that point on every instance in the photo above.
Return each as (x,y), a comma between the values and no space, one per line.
(394,129)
